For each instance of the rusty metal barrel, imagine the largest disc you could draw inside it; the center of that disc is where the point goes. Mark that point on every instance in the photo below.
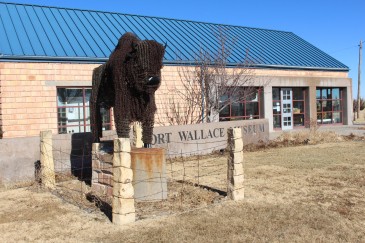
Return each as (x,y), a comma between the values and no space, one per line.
(149,168)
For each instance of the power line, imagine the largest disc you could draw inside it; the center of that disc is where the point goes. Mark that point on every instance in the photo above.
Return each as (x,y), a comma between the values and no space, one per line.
(347,48)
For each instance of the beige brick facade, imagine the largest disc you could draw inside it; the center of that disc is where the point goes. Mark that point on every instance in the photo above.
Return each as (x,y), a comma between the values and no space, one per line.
(29,102)
(28,91)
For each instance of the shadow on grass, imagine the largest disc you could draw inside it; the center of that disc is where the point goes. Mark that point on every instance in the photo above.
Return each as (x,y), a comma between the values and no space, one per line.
(104,206)
(220,192)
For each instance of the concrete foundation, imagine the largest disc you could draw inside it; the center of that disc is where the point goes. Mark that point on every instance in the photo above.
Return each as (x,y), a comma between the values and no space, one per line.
(18,157)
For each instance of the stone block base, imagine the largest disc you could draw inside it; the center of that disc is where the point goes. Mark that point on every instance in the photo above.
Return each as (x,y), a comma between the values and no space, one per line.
(149,172)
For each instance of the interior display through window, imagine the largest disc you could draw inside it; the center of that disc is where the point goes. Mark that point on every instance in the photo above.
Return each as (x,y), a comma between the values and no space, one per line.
(73,110)
(247,108)
(329,105)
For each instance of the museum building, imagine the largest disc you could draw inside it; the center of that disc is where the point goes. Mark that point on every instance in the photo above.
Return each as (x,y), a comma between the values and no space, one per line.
(47,55)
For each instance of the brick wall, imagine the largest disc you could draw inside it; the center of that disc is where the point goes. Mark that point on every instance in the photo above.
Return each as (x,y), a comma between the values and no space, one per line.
(29,103)
(28,92)
(168,93)
(102,173)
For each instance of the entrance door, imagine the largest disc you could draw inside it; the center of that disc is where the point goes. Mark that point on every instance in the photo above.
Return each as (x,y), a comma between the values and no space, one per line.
(286,107)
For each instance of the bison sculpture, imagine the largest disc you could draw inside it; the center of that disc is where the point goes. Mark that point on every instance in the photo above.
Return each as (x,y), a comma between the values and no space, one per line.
(127,82)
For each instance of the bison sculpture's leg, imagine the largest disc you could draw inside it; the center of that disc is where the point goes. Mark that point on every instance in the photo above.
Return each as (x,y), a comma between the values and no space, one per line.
(121,122)
(147,130)
(123,128)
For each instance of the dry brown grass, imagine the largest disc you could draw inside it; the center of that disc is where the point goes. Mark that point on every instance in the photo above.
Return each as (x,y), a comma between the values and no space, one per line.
(293,194)
(311,193)
(304,137)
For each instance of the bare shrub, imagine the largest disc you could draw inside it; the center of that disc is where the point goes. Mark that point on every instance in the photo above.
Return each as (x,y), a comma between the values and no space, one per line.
(308,137)
(209,84)
(362,104)
(313,126)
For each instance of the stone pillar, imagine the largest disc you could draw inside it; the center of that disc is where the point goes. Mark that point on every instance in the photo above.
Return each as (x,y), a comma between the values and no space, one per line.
(137,135)
(95,163)
(123,191)
(267,104)
(47,163)
(348,114)
(235,190)
(312,102)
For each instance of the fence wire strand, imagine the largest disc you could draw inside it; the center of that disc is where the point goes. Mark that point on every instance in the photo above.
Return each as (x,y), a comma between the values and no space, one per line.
(194,179)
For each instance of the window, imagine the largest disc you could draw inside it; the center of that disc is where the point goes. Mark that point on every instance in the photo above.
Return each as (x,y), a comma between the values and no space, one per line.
(329,105)
(73,110)
(276,107)
(298,106)
(287,121)
(240,108)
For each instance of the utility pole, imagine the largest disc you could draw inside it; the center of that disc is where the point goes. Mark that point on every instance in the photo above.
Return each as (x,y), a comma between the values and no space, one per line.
(359,81)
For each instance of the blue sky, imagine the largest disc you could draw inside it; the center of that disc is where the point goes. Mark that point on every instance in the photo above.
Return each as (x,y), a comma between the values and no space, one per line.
(334,26)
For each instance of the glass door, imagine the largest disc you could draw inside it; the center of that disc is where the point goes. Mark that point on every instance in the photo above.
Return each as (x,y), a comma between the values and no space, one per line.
(286,107)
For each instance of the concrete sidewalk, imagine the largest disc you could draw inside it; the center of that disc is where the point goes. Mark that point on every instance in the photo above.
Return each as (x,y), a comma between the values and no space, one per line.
(358,130)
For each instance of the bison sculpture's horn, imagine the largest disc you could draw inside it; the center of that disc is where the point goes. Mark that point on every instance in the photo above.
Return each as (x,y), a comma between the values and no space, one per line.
(134,47)
(127,57)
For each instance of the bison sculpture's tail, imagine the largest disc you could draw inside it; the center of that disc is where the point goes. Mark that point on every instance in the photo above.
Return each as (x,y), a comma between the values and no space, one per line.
(95,115)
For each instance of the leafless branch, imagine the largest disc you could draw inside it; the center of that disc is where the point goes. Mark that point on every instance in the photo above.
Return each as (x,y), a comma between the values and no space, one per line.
(214,81)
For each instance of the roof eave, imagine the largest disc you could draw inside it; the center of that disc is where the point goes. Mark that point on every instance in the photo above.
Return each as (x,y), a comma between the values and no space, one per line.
(344,69)
(12,58)
(339,69)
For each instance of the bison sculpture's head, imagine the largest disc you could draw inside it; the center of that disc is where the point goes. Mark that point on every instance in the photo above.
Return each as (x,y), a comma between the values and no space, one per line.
(144,64)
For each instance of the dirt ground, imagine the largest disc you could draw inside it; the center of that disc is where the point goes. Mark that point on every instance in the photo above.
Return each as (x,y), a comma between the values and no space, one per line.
(292,194)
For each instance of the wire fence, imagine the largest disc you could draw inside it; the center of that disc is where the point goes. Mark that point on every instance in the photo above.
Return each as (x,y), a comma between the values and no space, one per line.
(186,181)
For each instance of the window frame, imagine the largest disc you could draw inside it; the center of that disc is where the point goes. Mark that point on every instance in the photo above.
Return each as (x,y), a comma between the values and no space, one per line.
(86,125)
(331,100)
(278,102)
(244,103)
(302,111)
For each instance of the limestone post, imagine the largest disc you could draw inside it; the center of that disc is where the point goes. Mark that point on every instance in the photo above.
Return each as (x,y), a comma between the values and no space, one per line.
(47,163)
(95,163)
(137,135)
(123,191)
(235,190)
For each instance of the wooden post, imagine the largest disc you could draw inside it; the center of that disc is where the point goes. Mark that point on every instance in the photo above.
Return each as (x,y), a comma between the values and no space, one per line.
(235,190)
(123,191)
(47,163)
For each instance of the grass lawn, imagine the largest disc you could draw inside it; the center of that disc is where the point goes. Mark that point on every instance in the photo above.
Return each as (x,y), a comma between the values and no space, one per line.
(311,193)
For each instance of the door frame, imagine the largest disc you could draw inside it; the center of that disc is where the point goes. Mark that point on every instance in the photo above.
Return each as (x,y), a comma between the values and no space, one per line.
(286,95)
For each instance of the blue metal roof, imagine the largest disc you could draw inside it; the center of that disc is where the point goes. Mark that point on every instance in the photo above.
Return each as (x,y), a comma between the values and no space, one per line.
(40,33)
